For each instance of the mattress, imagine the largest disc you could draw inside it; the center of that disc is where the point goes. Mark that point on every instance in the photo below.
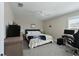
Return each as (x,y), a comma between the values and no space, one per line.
(36,41)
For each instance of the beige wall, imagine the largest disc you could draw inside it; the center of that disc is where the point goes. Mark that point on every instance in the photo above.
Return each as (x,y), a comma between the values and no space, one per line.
(8,15)
(58,24)
(26,23)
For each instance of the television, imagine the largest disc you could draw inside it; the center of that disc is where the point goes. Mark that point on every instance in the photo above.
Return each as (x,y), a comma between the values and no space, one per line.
(71,32)
(13,31)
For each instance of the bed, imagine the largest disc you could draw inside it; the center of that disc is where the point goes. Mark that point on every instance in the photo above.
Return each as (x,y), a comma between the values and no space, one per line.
(36,38)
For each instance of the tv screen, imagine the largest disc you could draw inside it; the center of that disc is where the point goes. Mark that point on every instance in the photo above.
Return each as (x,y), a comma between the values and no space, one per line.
(69,32)
(13,31)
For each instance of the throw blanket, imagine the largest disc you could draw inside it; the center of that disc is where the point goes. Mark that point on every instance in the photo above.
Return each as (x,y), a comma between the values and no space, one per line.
(42,37)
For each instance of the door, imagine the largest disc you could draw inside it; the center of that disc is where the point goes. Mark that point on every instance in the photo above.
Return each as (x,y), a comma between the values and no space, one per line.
(2,28)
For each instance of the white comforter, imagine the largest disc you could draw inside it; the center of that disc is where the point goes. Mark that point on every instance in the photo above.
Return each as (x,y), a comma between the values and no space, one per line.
(36,41)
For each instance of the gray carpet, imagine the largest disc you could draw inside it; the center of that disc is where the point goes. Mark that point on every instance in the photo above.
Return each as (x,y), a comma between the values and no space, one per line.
(51,49)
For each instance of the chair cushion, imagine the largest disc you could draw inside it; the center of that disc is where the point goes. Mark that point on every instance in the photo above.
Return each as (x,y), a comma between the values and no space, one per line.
(76,40)
(76,36)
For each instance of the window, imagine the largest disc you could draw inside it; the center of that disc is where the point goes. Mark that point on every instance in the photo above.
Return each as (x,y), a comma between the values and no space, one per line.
(73,23)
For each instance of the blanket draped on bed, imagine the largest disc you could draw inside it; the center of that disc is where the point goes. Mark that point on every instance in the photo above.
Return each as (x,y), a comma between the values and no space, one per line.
(42,37)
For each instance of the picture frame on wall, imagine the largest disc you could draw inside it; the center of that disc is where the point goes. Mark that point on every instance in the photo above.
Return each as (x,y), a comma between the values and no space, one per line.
(33,25)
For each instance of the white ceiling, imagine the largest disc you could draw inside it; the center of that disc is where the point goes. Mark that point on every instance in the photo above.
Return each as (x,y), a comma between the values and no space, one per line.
(43,10)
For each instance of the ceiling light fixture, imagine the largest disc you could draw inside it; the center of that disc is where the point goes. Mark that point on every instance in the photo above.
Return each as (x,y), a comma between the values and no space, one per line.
(20,4)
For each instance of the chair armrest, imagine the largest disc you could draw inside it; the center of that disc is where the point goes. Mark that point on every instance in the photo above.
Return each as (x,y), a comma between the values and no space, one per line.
(68,36)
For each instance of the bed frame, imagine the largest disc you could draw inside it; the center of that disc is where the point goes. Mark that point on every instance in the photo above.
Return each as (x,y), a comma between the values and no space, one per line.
(26,32)
(28,40)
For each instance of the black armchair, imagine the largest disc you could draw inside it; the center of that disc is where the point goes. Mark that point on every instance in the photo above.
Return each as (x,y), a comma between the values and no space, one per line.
(74,42)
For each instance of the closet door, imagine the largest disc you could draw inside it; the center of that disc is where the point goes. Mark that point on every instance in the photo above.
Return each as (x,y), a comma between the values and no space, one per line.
(2,28)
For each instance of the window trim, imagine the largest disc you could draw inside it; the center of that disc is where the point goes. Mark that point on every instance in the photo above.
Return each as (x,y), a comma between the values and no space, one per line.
(70,18)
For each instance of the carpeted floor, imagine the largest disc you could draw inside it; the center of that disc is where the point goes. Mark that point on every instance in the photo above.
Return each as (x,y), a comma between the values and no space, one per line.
(51,49)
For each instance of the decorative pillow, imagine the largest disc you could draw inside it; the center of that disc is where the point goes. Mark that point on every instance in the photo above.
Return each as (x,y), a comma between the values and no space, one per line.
(42,37)
(30,37)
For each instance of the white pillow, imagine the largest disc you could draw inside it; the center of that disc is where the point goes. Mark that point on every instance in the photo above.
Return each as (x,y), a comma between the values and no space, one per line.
(34,32)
